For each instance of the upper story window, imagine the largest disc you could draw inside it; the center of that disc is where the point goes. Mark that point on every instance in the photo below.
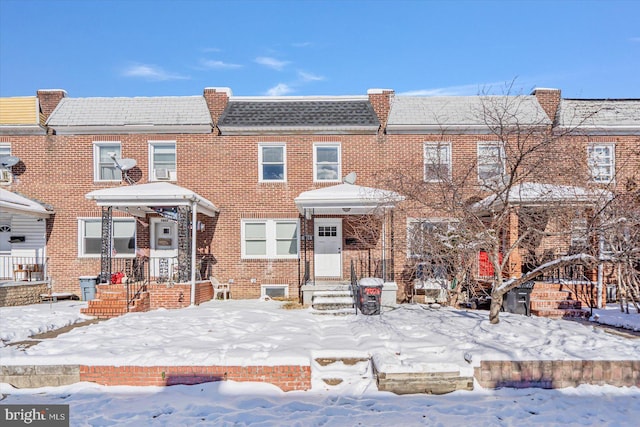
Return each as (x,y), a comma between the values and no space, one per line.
(5,173)
(104,168)
(162,161)
(601,160)
(491,162)
(437,161)
(123,236)
(327,162)
(272,162)
(269,238)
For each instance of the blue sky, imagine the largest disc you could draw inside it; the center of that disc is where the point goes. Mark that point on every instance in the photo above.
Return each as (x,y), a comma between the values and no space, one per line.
(589,49)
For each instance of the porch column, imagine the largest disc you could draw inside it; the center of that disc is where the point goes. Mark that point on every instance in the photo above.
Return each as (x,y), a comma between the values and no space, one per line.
(514,264)
(106,245)
(194,217)
(184,245)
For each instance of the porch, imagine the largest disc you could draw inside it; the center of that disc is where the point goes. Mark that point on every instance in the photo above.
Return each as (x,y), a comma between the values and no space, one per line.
(347,235)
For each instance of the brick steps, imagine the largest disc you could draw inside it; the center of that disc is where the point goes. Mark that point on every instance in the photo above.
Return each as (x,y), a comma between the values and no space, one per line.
(554,301)
(111,301)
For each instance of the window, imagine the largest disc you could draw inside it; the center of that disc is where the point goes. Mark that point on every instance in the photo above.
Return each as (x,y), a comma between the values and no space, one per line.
(601,160)
(269,238)
(326,162)
(162,161)
(274,291)
(104,168)
(5,149)
(5,173)
(423,235)
(490,162)
(272,162)
(437,161)
(90,237)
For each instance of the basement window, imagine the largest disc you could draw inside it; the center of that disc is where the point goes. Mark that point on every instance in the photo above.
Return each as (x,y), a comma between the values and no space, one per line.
(274,291)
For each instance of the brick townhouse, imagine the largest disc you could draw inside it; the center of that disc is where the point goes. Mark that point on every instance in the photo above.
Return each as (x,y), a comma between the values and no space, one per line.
(278,194)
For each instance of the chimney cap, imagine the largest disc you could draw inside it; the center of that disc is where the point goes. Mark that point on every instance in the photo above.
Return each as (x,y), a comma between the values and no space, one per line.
(220,89)
(379,91)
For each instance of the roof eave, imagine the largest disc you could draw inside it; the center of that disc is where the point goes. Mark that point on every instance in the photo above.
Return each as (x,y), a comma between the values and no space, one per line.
(22,130)
(132,129)
(288,130)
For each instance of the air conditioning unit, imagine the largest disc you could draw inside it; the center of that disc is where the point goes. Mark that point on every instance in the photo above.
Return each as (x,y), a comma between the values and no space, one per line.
(162,173)
(6,177)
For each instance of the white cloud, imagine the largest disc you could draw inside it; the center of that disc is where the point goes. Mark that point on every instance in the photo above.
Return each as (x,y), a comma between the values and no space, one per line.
(218,65)
(301,44)
(270,62)
(309,77)
(635,39)
(462,90)
(151,72)
(279,90)
(211,49)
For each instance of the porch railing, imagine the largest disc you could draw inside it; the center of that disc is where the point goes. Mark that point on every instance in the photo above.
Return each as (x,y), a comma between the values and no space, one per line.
(373,267)
(353,284)
(23,268)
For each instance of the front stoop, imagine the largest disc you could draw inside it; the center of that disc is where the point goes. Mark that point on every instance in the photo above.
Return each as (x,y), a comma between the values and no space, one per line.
(550,300)
(333,299)
(428,379)
(111,301)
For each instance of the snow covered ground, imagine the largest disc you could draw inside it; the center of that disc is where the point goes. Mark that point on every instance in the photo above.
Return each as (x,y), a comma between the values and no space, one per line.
(611,315)
(260,332)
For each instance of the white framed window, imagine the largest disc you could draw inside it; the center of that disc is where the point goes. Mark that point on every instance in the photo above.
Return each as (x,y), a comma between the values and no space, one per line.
(123,236)
(423,233)
(162,161)
(272,162)
(6,176)
(274,291)
(104,168)
(437,161)
(327,166)
(491,162)
(270,238)
(601,161)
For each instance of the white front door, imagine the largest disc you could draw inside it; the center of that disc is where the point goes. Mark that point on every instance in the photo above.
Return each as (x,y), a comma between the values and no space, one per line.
(164,248)
(328,247)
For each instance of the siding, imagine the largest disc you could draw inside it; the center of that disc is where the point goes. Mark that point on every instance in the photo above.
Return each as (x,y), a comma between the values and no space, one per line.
(19,111)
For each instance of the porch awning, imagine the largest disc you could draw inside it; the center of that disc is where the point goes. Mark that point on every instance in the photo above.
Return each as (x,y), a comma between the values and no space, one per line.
(140,199)
(346,199)
(531,194)
(15,203)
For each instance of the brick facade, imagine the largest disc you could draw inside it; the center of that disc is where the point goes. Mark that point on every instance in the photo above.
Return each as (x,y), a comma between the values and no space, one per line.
(58,170)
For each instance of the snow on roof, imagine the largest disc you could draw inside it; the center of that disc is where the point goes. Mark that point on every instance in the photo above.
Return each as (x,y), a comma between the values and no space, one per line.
(345,198)
(15,203)
(537,193)
(462,113)
(151,194)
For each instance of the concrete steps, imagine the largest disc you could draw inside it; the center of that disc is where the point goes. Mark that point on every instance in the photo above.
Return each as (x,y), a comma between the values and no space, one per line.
(333,372)
(333,300)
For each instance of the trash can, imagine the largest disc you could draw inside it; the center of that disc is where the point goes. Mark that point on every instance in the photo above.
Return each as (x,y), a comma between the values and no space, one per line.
(518,299)
(369,296)
(88,287)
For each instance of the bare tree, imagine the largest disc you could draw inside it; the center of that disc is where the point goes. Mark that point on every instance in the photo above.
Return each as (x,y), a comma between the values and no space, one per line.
(522,201)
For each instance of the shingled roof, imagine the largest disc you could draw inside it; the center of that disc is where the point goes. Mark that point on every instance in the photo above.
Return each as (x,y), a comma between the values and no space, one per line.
(452,114)
(296,114)
(604,115)
(183,114)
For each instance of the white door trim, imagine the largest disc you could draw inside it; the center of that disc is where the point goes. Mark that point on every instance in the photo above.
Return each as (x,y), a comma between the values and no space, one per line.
(327,249)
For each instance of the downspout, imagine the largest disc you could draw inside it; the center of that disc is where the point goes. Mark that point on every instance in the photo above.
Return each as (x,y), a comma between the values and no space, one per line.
(384,244)
(194,216)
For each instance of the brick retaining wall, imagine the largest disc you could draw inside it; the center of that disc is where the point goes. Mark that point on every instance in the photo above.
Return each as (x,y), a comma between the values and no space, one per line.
(23,294)
(287,377)
(557,374)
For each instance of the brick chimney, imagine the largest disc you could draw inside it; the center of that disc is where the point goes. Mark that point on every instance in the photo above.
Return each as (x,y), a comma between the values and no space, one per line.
(549,99)
(381,102)
(217,99)
(49,100)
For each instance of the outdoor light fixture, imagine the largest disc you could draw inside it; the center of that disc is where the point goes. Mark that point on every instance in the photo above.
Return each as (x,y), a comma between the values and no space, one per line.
(346,209)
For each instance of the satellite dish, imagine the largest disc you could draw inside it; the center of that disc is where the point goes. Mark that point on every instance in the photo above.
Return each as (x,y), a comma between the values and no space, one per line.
(124,164)
(350,178)
(8,161)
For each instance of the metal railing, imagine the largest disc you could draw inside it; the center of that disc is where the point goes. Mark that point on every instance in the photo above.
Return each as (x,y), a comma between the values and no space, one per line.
(23,268)
(353,284)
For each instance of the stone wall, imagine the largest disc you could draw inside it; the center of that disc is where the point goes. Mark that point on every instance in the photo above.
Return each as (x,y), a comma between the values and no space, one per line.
(22,294)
